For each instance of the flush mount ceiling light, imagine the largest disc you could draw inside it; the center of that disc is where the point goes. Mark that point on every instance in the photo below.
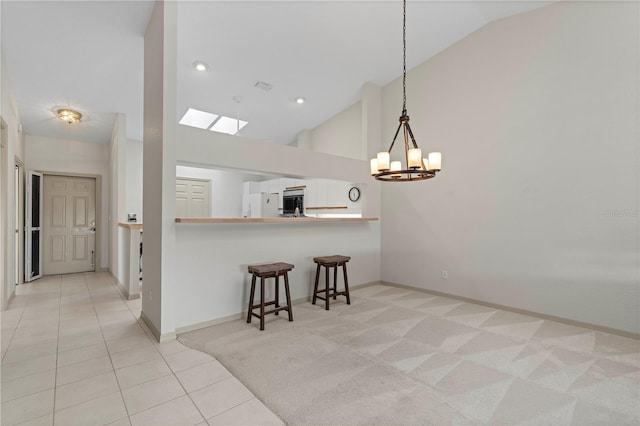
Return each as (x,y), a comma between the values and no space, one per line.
(417,167)
(300,100)
(69,116)
(200,66)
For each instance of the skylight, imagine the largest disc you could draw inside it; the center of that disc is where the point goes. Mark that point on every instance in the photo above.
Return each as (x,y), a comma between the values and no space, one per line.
(213,122)
(197,118)
(227,125)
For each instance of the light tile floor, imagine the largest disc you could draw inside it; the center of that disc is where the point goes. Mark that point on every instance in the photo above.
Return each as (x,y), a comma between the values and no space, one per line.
(74,352)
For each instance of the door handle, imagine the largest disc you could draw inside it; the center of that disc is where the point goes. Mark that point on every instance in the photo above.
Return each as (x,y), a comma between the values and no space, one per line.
(92,229)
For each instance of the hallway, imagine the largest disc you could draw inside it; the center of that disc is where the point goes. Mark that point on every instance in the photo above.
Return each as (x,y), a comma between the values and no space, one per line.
(75,352)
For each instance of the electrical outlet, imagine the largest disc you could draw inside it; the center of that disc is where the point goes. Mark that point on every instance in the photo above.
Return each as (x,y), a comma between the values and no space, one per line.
(445,274)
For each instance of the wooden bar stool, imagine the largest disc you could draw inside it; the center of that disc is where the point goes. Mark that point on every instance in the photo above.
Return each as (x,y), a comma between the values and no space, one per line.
(331,262)
(271,270)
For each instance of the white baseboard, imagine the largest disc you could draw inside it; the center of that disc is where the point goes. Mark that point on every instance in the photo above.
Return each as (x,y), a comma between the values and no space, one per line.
(520,311)
(243,314)
(161,338)
(123,289)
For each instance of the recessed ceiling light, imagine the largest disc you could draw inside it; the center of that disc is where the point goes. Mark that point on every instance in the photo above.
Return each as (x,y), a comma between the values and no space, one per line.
(227,125)
(197,118)
(200,66)
(299,100)
(69,116)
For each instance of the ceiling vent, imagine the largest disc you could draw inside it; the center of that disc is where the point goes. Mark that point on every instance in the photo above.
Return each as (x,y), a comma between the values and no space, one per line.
(262,85)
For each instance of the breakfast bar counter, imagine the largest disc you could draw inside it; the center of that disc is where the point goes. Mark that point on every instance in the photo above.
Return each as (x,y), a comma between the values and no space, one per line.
(211,255)
(273,219)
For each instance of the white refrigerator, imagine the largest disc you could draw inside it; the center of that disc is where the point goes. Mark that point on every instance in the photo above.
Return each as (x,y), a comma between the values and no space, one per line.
(263,205)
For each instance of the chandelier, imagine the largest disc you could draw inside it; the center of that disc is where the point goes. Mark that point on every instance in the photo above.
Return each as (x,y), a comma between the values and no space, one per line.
(417,167)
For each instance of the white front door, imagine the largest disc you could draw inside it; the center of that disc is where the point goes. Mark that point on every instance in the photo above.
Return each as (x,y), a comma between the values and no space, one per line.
(193,197)
(69,225)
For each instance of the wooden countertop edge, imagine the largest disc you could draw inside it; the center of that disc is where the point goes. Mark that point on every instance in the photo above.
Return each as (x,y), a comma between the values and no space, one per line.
(130,225)
(272,219)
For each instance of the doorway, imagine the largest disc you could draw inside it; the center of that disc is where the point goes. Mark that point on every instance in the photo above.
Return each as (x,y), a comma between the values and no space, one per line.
(5,278)
(193,197)
(69,224)
(19,222)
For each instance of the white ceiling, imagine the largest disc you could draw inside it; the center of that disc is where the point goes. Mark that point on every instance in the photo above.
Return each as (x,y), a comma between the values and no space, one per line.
(87,55)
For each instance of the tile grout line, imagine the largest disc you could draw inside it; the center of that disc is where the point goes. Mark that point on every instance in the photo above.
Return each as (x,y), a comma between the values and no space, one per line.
(139,320)
(182,386)
(55,378)
(23,309)
(15,329)
(113,369)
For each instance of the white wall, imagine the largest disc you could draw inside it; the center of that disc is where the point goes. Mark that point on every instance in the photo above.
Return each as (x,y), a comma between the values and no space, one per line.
(537,204)
(117,172)
(14,149)
(226,188)
(160,143)
(69,156)
(340,135)
(211,260)
(133,178)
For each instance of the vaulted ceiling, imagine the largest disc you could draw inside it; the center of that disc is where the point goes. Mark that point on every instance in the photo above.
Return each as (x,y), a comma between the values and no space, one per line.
(88,55)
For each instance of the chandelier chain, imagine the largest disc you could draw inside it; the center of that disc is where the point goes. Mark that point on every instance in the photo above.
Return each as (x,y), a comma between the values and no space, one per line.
(404,56)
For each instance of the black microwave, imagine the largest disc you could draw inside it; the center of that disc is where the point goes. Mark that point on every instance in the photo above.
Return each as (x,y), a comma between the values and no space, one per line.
(292,199)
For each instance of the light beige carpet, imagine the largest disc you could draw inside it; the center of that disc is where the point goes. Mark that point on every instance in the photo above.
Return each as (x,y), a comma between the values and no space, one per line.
(396,356)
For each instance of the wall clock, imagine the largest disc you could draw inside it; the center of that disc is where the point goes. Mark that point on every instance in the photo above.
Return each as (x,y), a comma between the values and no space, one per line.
(354,194)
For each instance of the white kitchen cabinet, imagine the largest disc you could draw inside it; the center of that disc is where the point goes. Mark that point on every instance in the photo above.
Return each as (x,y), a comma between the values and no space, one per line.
(337,194)
(251,187)
(274,186)
(311,194)
(321,194)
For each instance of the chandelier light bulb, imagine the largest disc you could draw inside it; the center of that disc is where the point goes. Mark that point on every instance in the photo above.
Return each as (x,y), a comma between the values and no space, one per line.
(374,166)
(383,161)
(435,161)
(415,158)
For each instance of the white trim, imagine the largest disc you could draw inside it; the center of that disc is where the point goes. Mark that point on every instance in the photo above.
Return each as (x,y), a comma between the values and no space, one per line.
(243,314)
(161,338)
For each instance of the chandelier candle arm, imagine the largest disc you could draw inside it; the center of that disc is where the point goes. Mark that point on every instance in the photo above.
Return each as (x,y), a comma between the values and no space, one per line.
(418,167)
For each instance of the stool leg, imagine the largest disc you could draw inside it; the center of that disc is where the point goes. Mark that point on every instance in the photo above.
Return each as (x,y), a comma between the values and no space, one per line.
(253,289)
(335,282)
(346,282)
(286,288)
(277,295)
(315,288)
(326,286)
(261,303)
